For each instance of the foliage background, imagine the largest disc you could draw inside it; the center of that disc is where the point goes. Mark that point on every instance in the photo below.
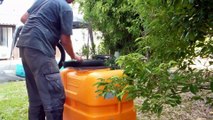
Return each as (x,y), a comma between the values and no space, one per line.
(160,40)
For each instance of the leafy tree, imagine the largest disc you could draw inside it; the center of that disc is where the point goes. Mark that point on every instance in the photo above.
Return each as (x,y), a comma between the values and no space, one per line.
(172,32)
(85,51)
(118,22)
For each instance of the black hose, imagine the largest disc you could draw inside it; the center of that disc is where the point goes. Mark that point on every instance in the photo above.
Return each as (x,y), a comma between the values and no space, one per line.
(63,55)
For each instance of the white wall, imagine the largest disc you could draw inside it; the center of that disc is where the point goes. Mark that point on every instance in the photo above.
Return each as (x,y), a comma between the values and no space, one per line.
(12,10)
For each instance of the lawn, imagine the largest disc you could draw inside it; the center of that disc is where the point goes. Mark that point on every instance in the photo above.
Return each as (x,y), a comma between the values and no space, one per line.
(13,101)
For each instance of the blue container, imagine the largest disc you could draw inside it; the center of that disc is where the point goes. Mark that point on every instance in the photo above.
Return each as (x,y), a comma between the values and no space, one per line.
(20,70)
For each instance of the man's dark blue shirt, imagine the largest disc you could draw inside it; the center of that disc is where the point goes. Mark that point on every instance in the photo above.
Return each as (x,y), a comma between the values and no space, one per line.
(48,19)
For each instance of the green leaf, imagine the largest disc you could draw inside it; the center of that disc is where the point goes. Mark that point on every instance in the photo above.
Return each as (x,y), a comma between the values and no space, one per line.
(200,44)
(197,98)
(211,86)
(193,88)
(120,95)
(204,49)
(157,109)
(185,89)
(172,62)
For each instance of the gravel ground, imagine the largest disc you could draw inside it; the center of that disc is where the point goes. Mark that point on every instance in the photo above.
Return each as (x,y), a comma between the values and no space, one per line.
(188,110)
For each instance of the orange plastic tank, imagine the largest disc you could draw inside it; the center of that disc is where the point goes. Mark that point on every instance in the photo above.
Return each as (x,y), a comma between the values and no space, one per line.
(83,103)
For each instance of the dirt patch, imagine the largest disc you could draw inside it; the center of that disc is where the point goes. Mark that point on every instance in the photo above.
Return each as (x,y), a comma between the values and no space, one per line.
(188,110)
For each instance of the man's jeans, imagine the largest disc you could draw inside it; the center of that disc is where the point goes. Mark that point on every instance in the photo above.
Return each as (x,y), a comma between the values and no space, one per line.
(44,86)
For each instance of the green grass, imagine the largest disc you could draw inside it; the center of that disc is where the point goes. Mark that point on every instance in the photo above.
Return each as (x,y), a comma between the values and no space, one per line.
(13,101)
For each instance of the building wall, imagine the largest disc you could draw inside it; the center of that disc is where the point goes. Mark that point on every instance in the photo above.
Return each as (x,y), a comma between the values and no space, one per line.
(6,40)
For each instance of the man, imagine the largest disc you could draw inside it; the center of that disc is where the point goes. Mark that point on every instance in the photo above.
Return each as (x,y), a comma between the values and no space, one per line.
(46,22)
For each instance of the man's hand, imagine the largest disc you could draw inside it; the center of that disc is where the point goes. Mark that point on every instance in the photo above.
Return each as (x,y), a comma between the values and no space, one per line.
(78,58)
(67,44)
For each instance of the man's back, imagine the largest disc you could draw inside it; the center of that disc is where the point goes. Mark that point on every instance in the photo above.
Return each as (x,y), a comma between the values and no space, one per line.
(48,19)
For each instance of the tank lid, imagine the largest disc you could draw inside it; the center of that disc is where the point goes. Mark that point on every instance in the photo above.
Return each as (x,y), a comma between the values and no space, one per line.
(86,64)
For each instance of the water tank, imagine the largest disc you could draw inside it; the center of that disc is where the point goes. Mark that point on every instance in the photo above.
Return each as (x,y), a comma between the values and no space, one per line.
(83,103)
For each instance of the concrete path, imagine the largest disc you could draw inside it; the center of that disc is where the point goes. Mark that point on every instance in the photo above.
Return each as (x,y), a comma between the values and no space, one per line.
(8,71)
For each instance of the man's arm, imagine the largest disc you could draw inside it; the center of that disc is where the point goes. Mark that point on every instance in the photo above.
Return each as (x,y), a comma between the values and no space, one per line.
(67,44)
(24,17)
(34,6)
